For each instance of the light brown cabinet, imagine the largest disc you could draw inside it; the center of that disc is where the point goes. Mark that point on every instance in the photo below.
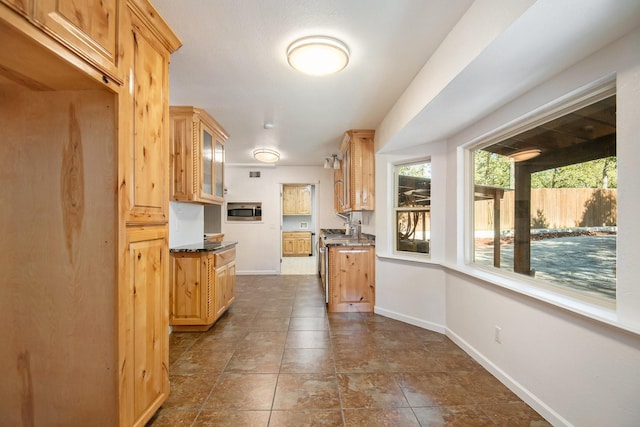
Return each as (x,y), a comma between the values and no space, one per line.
(351,278)
(296,243)
(296,199)
(202,288)
(197,156)
(88,28)
(354,182)
(87,289)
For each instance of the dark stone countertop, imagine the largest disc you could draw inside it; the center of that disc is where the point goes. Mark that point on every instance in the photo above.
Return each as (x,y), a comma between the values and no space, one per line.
(204,246)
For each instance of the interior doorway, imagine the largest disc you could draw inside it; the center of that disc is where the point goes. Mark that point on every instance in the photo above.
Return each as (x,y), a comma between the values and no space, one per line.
(298,228)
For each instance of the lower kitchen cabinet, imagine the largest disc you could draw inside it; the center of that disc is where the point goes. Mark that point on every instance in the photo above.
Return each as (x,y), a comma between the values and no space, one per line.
(351,278)
(296,243)
(202,288)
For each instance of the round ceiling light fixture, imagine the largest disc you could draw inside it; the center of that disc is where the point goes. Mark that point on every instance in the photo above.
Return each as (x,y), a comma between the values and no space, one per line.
(266,155)
(318,55)
(521,156)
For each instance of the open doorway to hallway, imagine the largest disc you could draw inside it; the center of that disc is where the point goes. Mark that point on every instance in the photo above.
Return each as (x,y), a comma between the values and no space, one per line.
(298,229)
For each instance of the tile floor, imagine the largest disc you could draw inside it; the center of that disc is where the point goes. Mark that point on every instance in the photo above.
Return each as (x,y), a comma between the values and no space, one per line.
(299,265)
(276,358)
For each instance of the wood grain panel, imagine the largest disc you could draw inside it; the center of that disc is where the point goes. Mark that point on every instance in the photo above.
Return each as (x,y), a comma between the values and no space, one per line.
(57,301)
(189,275)
(351,278)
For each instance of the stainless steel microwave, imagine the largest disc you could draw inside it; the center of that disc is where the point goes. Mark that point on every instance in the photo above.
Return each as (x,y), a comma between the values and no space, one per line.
(245,211)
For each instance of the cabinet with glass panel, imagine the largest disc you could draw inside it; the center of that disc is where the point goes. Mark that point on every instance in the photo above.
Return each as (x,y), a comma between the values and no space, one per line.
(197,156)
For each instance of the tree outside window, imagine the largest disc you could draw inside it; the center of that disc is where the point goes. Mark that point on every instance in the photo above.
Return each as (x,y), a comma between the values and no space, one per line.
(545,201)
(413,207)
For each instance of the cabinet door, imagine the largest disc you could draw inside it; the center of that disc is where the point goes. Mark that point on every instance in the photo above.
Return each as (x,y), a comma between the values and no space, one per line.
(231,283)
(187,274)
(351,279)
(304,200)
(288,245)
(338,189)
(148,274)
(220,288)
(218,160)
(303,245)
(289,200)
(89,27)
(211,165)
(206,162)
(146,159)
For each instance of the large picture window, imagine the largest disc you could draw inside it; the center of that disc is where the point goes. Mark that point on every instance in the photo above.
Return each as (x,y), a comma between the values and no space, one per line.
(545,201)
(412,207)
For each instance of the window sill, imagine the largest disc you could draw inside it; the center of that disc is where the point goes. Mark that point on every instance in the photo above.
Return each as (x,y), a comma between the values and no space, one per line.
(583,308)
(419,259)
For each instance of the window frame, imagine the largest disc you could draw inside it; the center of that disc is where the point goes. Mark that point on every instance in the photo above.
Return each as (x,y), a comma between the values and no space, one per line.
(551,111)
(396,209)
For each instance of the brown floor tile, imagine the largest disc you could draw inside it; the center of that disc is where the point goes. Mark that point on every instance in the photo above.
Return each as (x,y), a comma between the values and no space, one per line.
(412,360)
(308,339)
(373,390)
(308,360)
(189,391)
(201,361)
(232,419)
(514,415)
(485,388)
(172,418)
(459,416)
(306,391)
(256,360)
(360,360)
(247,392)
(384,417)
(263,339)
(433,389)
(308,324)
(457,362)
(318,418)
(277,358)
(308,312)
(270,324)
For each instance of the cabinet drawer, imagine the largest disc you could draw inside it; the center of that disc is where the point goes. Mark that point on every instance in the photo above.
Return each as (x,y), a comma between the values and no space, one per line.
(225,257)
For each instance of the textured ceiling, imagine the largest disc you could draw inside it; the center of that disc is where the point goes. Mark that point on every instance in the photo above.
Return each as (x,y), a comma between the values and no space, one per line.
(232,63)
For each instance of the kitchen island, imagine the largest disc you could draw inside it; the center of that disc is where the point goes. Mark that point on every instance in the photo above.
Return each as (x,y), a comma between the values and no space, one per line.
(203,281)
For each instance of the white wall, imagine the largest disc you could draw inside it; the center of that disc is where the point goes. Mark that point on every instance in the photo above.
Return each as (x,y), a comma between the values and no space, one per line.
(259,243)
(575,368)
(186,223)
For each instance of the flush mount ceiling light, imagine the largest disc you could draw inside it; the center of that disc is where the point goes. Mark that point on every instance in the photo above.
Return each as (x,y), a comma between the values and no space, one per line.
(521,156)
(318,55)
(266,155)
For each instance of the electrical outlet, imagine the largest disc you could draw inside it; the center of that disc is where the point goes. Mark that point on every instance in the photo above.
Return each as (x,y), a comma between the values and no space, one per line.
(497,335)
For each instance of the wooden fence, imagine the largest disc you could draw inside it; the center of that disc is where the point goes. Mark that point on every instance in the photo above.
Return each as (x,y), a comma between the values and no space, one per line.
(554,208)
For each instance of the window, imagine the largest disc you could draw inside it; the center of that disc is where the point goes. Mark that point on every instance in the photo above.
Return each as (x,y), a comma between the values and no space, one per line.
(412,207)
(545,200)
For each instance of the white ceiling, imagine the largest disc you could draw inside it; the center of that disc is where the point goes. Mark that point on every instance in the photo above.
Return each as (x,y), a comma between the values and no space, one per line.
(232,63)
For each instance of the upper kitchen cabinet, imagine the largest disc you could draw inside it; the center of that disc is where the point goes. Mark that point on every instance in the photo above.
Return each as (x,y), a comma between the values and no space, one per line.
(88,28)
(145,160)
(354,182)
(296,199)
(197,156)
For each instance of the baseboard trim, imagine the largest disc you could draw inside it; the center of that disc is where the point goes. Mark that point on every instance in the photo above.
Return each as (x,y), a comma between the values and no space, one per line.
(257,273)
(523,393)
(410,320)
